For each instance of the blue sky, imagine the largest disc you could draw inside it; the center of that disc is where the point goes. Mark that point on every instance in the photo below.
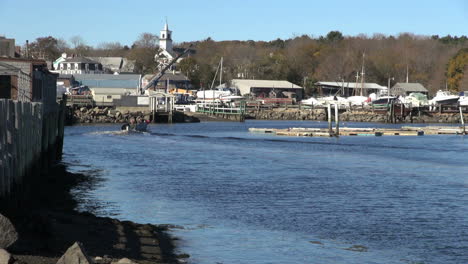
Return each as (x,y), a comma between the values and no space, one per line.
(100,21)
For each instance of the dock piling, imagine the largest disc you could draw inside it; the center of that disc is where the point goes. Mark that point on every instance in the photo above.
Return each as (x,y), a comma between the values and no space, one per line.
(462,121)
(337,121)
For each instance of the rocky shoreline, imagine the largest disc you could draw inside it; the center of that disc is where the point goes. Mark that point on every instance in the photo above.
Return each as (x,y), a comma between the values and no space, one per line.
(85,115)
(350,116)
(48,228)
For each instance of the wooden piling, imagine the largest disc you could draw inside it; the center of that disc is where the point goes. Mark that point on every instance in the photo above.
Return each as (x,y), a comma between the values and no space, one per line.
(462,121)
(337,121)
(329,119)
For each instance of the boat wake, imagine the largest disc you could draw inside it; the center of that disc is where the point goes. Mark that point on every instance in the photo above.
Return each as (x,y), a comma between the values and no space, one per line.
(120,133)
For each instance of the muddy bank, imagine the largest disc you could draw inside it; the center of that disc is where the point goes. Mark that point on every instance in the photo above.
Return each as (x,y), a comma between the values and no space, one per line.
(350,116)
(48,224)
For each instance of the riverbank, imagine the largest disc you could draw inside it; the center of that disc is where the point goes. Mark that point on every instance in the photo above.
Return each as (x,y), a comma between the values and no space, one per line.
(48,224)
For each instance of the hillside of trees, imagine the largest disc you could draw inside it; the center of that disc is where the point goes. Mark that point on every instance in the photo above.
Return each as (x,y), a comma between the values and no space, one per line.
(434,61)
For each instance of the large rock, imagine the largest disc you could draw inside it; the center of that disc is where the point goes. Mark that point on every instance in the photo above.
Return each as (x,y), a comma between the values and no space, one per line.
(8,234)
(75,255)
(5,257)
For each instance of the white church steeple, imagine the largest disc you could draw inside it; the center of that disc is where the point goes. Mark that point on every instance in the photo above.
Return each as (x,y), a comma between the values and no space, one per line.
(165,39)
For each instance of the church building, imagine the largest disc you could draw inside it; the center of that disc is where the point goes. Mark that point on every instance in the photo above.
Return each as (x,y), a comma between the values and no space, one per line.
(166,53)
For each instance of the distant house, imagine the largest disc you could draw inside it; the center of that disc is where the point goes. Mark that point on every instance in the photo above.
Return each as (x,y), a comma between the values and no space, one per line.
(77,65)
(28,80)
(268,88)
(348,88)
(407,88)
(115,64)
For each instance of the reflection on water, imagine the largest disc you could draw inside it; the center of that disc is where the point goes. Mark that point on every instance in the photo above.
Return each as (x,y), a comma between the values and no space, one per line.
(257,198)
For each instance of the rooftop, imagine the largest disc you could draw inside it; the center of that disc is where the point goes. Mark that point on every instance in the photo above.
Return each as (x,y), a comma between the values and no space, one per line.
(265,83)
(410,87)
(352,85)
(80,59)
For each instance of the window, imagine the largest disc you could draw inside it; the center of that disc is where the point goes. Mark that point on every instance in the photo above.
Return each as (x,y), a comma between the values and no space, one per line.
(163,35)
(109,97)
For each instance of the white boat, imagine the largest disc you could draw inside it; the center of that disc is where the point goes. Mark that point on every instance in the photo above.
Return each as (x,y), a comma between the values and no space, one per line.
(358,100)
(416,99)
(310,101)
(231,98)
(213,94)
(444,97)
(333,100)
(387,99)
(463,101)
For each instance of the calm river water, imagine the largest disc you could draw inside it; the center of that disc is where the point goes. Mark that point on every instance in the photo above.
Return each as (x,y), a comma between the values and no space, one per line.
(258,198)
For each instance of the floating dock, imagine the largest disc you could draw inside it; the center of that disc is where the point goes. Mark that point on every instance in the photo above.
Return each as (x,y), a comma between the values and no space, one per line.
(349,131)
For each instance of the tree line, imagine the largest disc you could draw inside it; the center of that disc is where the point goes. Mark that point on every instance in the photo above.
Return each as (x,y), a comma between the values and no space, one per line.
(302,60)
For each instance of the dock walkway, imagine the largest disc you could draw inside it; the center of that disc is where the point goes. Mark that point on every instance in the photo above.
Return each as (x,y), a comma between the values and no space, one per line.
(348,131)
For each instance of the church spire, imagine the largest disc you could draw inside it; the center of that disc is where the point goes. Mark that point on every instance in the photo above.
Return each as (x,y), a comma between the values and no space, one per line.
(165,38)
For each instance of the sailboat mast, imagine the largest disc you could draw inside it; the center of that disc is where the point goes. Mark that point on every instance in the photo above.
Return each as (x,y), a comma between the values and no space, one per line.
(221,72)
(356,85)
(407,73)
(362,73)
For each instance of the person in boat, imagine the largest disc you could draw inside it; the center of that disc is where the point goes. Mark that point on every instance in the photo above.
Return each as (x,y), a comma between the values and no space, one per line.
(141,124)
(129,126)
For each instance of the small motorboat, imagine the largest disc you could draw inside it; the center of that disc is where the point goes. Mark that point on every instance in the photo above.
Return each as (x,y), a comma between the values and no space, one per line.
(136,127)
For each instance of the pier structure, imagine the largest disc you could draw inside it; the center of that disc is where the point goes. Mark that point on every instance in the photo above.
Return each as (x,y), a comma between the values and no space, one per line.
(348,131)
(223,110)
(162,106)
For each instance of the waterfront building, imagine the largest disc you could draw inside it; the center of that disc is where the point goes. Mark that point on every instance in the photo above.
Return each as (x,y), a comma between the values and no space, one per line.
(107,87)
(268,88)
(348,88)
(407,88)
(27,80)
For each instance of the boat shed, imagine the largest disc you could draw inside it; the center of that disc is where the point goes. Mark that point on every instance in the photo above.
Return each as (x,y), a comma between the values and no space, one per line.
(407,88)
(124,81)
(107,87)
(348,88)
(268,88)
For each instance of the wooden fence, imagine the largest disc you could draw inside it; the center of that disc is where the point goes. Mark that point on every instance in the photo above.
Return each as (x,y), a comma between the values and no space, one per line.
(31,138)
